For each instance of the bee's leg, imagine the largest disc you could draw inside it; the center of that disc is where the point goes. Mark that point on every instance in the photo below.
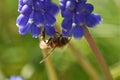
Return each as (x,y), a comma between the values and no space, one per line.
(52,49)
(42,37)
(48,55)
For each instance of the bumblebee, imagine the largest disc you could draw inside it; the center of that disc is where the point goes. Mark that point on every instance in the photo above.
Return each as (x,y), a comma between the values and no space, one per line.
(57,41)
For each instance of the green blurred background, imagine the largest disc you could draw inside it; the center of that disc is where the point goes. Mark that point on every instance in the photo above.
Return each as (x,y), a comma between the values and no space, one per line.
(20,55)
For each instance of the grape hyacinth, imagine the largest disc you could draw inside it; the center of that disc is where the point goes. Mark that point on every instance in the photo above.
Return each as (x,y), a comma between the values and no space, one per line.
(15,78)
(35,14)
(76,14)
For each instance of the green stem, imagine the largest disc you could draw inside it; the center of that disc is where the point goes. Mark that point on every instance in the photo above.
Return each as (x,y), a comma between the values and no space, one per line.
(49,66)
(97,54)
(84,63)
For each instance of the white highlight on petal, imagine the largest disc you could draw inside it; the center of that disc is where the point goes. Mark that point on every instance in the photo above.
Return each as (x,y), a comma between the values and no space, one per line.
(39,25)
(101,18)
(35,36)
(30,21)
(73,24)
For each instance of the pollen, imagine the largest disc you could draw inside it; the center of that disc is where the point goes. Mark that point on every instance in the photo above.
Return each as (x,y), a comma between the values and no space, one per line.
(43,44)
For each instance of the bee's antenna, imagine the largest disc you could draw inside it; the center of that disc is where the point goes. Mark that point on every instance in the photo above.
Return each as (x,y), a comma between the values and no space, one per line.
(42,37)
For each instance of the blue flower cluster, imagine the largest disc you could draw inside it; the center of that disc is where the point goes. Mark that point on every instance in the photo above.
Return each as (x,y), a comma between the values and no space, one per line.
(15,78)
(36,14)
(76,14)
